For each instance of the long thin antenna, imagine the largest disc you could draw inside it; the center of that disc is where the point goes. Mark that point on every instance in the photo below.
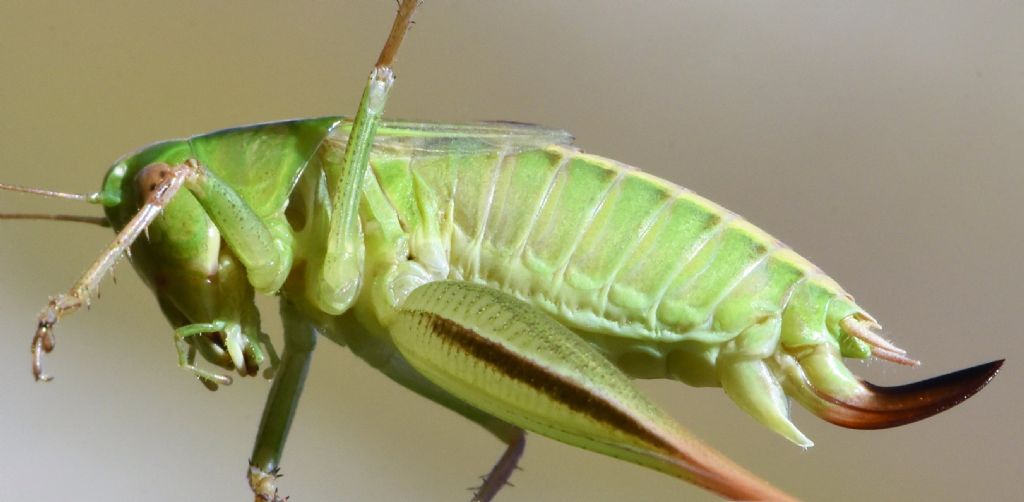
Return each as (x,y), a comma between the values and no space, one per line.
(89,197)
(92,220)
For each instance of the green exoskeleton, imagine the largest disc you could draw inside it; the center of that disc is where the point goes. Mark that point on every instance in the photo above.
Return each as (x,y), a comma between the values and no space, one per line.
(497,270)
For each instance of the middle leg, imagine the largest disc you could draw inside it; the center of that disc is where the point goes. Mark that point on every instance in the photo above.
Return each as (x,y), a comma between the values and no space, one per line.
(282,401)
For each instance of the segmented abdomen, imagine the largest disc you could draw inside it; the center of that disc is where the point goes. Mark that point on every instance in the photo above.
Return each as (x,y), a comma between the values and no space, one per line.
(636,263)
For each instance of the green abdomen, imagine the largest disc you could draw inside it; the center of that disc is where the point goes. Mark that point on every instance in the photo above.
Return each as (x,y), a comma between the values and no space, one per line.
(639,266)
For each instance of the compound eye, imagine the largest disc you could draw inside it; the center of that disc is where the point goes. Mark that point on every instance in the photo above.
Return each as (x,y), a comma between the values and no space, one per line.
(150,178)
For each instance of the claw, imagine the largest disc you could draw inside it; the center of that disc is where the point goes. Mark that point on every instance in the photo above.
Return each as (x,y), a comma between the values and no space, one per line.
(44,341)
(825,386)
(879,407)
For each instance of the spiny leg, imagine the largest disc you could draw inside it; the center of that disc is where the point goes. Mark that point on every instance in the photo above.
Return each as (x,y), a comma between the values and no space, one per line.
(282,401)
(81,292)
(381,354)
(399,370)
(498,477)
(508,359)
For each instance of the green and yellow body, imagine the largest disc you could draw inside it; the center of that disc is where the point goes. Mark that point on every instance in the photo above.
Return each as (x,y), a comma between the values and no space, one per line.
(659,279)
(661,282)
(507,275)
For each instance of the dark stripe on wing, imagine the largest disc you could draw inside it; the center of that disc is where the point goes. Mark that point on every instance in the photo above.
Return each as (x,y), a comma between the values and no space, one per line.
(552,385)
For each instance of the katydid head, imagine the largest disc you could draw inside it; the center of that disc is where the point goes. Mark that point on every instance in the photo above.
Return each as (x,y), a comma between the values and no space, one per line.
(202,288)
(200,285)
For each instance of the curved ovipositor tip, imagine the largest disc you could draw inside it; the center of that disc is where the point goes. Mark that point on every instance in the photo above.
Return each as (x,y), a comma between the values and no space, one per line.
(876,407)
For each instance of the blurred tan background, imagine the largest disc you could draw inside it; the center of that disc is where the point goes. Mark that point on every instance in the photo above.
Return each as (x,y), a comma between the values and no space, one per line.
(882,140)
